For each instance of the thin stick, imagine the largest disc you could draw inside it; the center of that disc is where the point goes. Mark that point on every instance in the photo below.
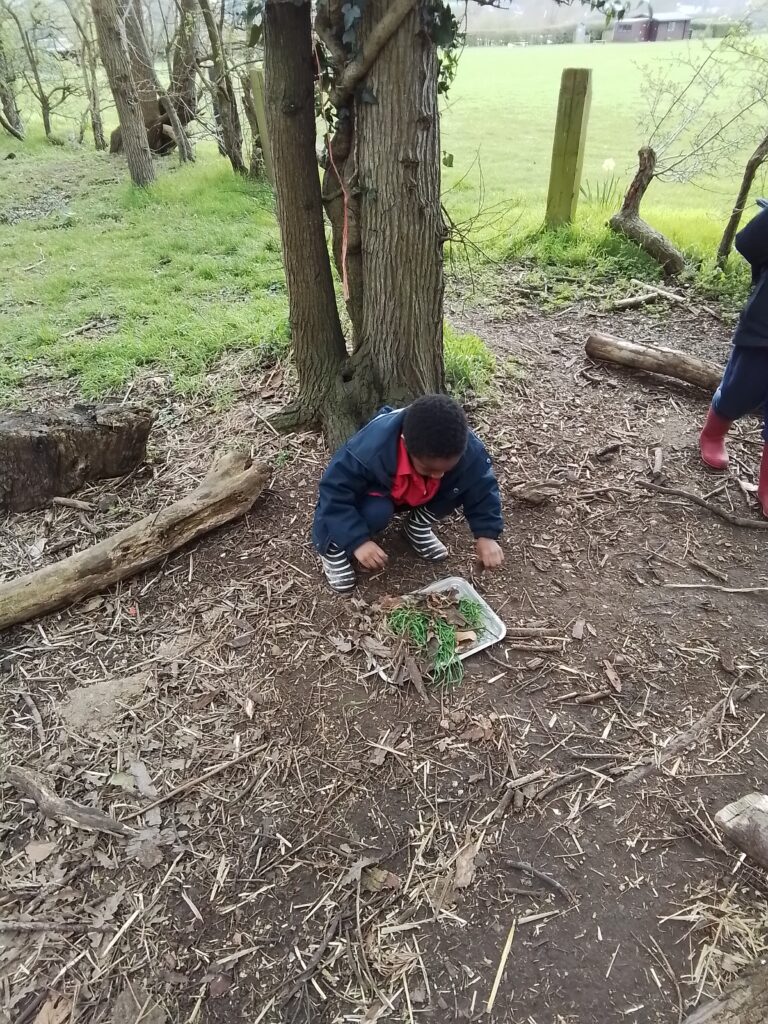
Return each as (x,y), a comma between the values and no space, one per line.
(185,786)
(53,926)
(737,744)
(521,865)
(749,524)
(714,586)
(500,969)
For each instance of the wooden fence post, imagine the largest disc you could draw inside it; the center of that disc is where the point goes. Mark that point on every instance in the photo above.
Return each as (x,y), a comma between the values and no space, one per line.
(257,83)
(568,147)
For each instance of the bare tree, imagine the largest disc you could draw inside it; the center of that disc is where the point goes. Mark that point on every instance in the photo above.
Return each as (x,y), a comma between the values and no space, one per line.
(184,60)
(48,77)
(156,104)
(224,96)
(690,132)
(113,46)
(82,19)
(256,163)
(757,56)
(11,115)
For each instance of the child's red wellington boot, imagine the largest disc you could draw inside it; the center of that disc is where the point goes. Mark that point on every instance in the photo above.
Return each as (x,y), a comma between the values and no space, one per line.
(762,487)
(712,441)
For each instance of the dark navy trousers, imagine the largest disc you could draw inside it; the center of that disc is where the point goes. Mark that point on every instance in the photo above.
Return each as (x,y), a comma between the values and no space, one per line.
(744,387)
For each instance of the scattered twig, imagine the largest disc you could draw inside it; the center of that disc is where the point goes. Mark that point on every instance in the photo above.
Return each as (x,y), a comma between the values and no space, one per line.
(749,524)
(524,866)
(686,739)
(36,788)
(184,787)
(53,926)
(714,586)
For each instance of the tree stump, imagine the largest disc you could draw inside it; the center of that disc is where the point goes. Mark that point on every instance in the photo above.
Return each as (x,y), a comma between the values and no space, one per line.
(49,454)
(744,1002)
(745,822)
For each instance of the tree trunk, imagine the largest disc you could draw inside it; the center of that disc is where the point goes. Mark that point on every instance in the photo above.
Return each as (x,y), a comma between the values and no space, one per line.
(97,124)
(14,124)
(8,127)
(45,110)
(114,55)
(750,172)
(183,89)
(743,1002)
(156,103)
(400,351)
(318,341)
(224,93)
(629,223)
(256,166)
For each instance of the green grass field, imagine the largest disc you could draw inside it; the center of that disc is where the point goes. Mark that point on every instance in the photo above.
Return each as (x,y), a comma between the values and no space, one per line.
(175,276)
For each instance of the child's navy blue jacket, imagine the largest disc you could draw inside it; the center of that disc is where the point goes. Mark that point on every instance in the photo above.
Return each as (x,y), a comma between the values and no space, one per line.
(752,243)
(367,462)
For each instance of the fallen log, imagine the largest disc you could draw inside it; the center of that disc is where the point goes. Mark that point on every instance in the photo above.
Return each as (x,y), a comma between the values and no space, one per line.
(665,361)
(45,455)
(743,1002)
(745,822)
(228,491)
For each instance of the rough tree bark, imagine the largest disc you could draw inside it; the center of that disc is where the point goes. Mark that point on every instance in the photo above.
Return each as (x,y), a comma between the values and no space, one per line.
(743,1002)
(381,191)
(114,56)
(754,164)
(318,340)
(629,223)
(183,89)
(400,350)
(12,121)
(225,98)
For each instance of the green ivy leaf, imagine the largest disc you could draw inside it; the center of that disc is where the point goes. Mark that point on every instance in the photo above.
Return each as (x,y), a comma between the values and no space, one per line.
(447,159)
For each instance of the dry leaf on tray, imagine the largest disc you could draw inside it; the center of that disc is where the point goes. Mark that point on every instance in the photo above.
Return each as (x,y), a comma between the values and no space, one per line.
(466,636)
(355,872)
(38,851)
(55,1010)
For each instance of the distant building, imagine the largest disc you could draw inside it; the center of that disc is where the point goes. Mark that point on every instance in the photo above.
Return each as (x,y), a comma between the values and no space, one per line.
(656,29)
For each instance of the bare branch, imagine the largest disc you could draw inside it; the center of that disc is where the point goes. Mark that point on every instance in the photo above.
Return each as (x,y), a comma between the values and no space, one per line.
(377,39)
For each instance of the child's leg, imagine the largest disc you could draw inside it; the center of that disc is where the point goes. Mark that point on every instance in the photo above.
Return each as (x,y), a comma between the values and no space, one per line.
(744,388)
(377,511)
(418,529)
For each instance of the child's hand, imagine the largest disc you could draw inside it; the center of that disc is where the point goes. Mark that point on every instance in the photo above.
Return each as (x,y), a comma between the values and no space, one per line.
(371,556)
(489,553)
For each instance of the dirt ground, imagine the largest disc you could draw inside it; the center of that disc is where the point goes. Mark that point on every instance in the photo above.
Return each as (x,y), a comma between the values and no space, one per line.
(344,850)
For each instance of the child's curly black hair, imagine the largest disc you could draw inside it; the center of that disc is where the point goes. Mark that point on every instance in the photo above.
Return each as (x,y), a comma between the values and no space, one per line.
(435,427)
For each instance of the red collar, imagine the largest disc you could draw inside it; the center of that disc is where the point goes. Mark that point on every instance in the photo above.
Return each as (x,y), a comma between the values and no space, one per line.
(408,486)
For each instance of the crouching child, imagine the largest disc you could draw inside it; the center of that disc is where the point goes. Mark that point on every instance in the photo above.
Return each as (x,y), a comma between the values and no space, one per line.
(422,462)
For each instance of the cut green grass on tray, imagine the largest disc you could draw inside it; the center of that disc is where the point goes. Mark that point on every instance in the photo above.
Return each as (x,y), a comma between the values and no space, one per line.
(436,639)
